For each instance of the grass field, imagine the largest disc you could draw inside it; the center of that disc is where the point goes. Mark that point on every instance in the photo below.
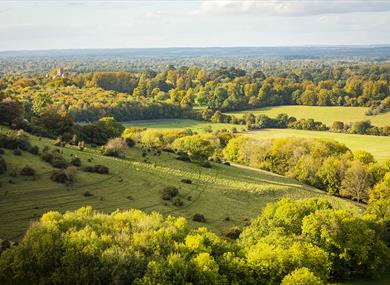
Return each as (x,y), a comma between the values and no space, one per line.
(378,146)
(169,124)
(219,192)
(324,114)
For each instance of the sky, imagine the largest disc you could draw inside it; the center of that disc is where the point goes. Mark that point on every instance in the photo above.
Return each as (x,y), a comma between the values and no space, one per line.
(70,24)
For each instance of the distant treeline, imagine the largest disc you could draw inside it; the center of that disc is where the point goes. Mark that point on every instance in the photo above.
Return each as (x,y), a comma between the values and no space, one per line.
(283,121)
(168,93)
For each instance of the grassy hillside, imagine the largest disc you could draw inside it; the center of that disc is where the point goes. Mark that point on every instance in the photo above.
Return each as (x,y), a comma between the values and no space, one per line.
(324,114)
(220,192)
(378,146)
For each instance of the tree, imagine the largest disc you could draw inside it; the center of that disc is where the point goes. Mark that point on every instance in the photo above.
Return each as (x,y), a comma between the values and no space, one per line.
(54,123)
(361,127)
(363,156)
(356,183)
(10,111)
(352,244)
(199,147)
(301,276)
(381,191)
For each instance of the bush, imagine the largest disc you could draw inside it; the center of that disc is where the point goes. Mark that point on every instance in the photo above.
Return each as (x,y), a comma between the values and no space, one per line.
(169,192)
(3,166)
(2,151)
(59,176)
(14,142)
(100,169)
(27,171)
(184,157)
(54,158)
(178,202)
(205,164)
(34,150)
(76,161)
(59,162)
(232,232)
(301,276)
(186,181)
(199,218)
(17,152)
(115,147)
(130,142)
(87,194)
(67,175)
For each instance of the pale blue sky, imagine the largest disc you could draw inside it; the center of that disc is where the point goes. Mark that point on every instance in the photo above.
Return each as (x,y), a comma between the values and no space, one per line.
(62,24)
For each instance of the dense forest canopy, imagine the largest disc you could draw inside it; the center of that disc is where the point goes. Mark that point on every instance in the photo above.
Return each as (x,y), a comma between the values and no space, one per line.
(172,91)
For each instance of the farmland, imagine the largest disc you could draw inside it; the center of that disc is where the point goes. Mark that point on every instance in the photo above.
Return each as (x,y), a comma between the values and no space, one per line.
(323,114)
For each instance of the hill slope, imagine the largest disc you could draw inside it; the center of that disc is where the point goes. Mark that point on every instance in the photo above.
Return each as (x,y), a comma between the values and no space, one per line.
(136,182)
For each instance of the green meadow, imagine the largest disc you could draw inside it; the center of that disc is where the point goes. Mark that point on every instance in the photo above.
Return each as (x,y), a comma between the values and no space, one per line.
(136,182)
(324,114)
(376,145)
(176,124)
(379,146)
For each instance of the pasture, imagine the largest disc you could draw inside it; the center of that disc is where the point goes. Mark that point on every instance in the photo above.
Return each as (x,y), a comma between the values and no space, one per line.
(226,195)
(169,124)
(324,114)
(377,146)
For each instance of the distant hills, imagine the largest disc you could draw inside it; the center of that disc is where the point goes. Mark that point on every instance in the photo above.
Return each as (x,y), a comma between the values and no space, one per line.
(298,52)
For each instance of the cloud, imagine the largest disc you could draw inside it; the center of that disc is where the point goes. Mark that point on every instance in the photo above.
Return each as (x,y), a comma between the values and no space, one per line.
(292,8)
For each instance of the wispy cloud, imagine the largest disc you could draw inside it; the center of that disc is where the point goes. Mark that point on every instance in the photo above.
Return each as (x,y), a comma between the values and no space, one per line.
(290,7)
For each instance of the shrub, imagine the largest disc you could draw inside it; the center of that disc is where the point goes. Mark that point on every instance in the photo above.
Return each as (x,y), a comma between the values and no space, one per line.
(186,181)
(184,157)
(27,171)
(3,166)
(205,164)
(232,232)
(76,161)
(54,158)
(59,162)
(59,176)
(115,147)
(87,194)
(67,175)
(169,192)
(199,218)
(14,142)
(34,150)
(17,152)
(130,142)
(100,169)
(1,151)
(301,276)
(178,202)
